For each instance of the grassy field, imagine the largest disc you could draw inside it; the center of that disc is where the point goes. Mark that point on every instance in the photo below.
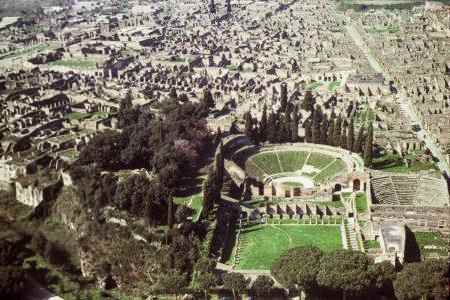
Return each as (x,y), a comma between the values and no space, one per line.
(394,163)
(313,86)
(333,86)
(195,202)
(361,203)
(26,51)
(432,240)
(292,160)
(76,63)
(262,244)
(268,162)
(330,171)
(319,161)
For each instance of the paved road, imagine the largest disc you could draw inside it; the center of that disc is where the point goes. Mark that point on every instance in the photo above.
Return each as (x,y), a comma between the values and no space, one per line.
(406,107)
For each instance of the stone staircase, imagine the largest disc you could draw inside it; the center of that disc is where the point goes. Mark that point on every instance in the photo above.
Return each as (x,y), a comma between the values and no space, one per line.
(350,235)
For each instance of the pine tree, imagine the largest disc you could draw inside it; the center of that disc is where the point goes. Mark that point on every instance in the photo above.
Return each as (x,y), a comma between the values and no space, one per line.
(211,192)
(324,131)
(170,212)
(330,140)
(343,141)
(368,147)
(308,132)
(350,135)
(284,97)
(271,128)
(294,125)
(357,147)
(308,102)
(263,125)
(208,100)
(287,134)
(315,129)
(337,132)
(248,131)
(220,166)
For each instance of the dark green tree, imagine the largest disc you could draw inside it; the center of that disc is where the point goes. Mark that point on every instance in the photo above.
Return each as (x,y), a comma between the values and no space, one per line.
(263,285)
(283,97)
(368,147)
(211,192)
(298,268)
(331,130)
(346,272)
(357,147)
(337,132)
(263,125)
(350,135)
(173,282)
(308,102)
(343,141)
(324,131)
(208,100)
(170,212)
(219,165)
(423,280)
(236,283)
(383,275)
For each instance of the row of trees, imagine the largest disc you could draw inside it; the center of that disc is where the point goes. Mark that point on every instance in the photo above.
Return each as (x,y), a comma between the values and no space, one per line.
(352,273)
(281,127)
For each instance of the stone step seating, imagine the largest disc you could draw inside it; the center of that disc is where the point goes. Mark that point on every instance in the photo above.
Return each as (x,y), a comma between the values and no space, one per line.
(298,210)
(405,187)
(383,189)
(431,190)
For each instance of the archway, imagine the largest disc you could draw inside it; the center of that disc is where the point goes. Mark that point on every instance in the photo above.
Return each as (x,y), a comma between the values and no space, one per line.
(356,185)
(337,187)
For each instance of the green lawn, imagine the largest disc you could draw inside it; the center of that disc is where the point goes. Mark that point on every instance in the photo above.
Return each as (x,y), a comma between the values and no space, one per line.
(79,115)
(330,171)
(361,203)
(25,51)
(267,161)
(195,202)
(262,244)
(369,244)
(431,240)
(76,63)
(292,160)
(319,161)
(332,87)
(314,85)
(394,163)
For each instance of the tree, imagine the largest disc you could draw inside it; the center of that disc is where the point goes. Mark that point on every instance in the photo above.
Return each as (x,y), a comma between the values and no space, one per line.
(324,131)
(346,272)
(383,275)
(271,128)
(357,147)
(308,102)
(283,97)
(205,282)
(170,212)
(368,147)
(337,132)
(248,130)
(343,141)
(298,267)
(219,166)
(172,281)
(263,285)
(350,135)
(236,283)
(126,113)
(263,125)
(316,128)
(208,100)
(211,191)
(423,280)
(331,129)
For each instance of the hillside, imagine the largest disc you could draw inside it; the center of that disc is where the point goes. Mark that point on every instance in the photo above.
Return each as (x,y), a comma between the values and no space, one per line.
(19,7)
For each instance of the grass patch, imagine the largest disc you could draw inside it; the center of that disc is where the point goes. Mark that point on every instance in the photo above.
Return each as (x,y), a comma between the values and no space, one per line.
(431,244)
(394,163)
(25,51)
(314,86)
(194,201)
(80,116)
(292,160)
(333,86)
(330,171)
(262,244)
(75,63)
(361,203)
(371,244)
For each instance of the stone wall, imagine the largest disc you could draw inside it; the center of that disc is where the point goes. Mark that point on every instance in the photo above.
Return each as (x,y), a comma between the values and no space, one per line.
(417,218)
(32,195)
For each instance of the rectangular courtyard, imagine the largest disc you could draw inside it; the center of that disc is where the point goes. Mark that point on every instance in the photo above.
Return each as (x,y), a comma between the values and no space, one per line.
(261,245)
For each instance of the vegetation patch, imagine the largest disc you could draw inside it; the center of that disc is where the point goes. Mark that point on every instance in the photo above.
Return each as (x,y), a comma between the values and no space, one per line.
(75,63)
(361,203)
(431,244)
(261,245)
